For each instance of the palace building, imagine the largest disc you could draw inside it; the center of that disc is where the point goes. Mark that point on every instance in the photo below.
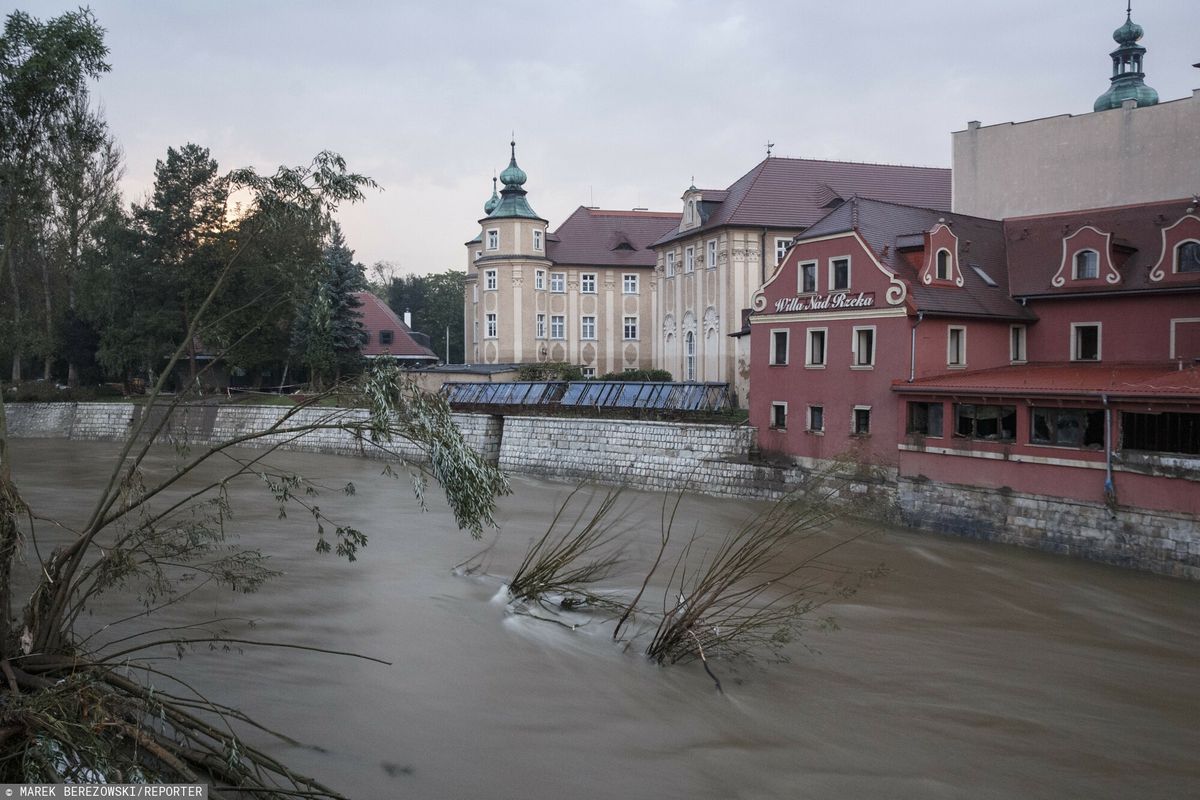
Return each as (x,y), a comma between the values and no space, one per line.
(583,294)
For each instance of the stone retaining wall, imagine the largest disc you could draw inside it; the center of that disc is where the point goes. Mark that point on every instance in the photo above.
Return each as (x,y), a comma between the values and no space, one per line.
(201,424)
(1161,542)
(710,459)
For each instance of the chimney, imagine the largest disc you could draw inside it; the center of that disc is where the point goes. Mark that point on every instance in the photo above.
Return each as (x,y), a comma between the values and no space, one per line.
(408,319)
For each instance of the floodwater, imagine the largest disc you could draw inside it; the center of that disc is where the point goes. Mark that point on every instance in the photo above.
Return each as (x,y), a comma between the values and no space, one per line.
(970,671)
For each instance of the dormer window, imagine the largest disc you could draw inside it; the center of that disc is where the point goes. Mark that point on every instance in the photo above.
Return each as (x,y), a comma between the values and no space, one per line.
(942,270)
(1087,265)
(691,211)
(386,337)
(1187,257)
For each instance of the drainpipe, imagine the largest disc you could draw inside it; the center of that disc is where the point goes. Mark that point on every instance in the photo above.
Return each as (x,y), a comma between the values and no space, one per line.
(1110,489)
(912,355)
(762,257)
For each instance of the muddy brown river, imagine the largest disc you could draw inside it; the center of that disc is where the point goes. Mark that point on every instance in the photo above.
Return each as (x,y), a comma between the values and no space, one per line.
(970,671)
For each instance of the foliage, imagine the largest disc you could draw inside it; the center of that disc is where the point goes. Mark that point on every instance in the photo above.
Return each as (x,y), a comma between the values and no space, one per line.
(754,592)
(44,66)
(328,335)
(436,303)
(651,375)
(550,371)
(565,564)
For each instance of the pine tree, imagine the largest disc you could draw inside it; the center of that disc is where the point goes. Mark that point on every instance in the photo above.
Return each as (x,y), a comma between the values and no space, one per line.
(329,335)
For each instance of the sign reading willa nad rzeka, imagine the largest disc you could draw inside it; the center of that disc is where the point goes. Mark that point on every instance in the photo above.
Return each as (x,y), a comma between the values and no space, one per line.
(825,302)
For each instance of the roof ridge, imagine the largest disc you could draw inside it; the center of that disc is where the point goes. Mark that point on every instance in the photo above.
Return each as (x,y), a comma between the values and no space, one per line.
(862,163)
(941,211)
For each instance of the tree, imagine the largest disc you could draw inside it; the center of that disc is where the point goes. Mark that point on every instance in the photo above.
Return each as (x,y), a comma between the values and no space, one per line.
(329,335)
(436,303)
(43,66)
(83,170)
(145,529)
(275,275)
(181,230)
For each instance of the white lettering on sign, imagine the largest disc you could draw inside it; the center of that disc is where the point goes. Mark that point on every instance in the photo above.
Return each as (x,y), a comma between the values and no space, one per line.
(825,302)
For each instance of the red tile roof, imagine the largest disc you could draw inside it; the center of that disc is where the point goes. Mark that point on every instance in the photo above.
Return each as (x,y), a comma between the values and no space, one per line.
(795,192)
(595,237)
(1118,381)
(1035,245)
(376,317)
(888,226)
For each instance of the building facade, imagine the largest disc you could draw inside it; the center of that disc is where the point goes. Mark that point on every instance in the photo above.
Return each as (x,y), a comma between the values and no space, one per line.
(728,242)
(582,294)
(1057,354)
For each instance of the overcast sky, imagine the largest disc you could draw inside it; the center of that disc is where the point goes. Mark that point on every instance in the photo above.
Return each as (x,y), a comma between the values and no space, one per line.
(616,104)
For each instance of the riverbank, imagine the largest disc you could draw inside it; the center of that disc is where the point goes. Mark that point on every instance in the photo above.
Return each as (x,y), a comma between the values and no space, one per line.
(703,458)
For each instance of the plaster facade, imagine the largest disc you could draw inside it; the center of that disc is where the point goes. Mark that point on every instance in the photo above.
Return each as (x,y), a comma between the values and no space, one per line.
(1107,158)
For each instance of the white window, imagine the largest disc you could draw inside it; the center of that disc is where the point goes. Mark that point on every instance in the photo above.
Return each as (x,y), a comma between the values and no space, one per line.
(1016,344)
(956,347)
(942,272)
(1187,257)
(863,347)
(631,325)
(558,281)
(839,274)
(815,348)
(711,260)
(537,240)
(779,347)
(689,259)
(779,416)
(558,326)
(587,283)
(587,327)
(816,419)
(671,264)
(588,372)
(1085,341)
(489,280)
(781,248)
(493,239)
(489,326)
(539,279)
(860,422)
(689,356)
(629,283)
(691,210)
(808,278)
(1087,265)
(541,326)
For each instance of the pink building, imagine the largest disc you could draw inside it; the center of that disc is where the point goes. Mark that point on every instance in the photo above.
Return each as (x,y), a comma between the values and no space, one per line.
(1053,355)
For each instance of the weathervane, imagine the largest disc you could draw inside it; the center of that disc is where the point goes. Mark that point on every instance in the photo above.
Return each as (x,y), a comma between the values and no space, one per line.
(770,144)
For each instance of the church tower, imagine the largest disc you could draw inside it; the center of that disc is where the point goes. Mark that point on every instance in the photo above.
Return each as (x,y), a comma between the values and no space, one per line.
(1128,79)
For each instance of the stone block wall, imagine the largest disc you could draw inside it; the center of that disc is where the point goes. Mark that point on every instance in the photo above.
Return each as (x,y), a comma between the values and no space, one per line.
(708,459)
(1161,542)
(204,424)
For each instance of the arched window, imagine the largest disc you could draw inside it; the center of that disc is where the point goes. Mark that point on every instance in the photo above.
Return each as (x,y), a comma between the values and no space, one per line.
(1087,265)
(689,357)
(943,265)
(1187,257)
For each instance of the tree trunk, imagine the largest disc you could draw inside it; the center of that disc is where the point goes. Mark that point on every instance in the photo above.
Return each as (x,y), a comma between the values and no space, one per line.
(16,315)
(47,290)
